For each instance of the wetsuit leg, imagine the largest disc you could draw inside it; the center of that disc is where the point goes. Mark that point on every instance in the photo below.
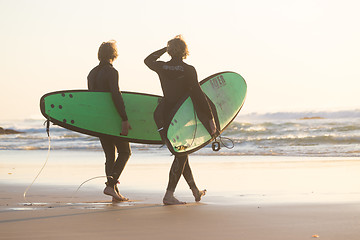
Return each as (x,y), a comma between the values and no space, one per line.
(109,150)
(113,168)
(187,173)
(176,171)
(124,153)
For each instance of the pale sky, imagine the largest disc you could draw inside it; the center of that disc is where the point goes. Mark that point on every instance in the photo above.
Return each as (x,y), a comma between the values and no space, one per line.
(294,55)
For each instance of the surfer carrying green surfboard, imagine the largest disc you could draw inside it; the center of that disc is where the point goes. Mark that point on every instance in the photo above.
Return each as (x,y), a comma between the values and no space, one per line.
(105,78)
(178,79)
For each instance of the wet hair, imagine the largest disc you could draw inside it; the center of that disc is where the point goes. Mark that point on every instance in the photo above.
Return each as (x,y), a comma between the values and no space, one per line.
(177,47)
(108,51)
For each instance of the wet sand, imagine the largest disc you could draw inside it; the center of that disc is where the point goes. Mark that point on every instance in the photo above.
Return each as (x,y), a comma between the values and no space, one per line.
(248,198)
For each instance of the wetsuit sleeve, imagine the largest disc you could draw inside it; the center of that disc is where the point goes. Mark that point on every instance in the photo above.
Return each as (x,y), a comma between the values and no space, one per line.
(91,79)
(198,97)
(113,81)
(151,62)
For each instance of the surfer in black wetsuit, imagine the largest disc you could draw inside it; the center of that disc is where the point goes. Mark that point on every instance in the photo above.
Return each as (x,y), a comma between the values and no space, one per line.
(105,78)
(178,79)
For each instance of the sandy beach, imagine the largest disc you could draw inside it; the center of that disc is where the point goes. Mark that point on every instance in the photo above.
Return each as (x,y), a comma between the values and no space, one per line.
(248,198)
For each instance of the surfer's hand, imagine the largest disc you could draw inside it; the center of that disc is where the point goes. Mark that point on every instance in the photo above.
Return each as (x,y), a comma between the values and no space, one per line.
(212,127)
(125,127)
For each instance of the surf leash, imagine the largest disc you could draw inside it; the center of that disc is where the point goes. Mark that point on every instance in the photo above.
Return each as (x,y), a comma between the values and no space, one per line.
(195,130)
(47,122)
(86,182)
(216,146)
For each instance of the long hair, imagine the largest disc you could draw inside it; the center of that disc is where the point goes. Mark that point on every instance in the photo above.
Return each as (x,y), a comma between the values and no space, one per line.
(108,51)
(177,47)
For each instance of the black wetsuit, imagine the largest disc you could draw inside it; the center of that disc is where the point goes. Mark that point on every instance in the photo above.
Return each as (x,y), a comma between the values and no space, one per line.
(178,79)
(105,78)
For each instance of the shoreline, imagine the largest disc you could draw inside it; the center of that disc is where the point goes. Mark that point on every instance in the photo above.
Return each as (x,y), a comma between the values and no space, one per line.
(236,178)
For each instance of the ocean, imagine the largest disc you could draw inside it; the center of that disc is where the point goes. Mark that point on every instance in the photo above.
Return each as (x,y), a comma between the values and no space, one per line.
(323,134)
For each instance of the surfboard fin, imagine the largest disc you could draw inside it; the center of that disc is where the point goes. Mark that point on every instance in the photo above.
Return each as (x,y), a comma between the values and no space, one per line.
(181,147)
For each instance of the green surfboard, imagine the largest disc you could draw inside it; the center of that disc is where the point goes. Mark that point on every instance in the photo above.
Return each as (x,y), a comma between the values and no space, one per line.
(94,113)
(185,133)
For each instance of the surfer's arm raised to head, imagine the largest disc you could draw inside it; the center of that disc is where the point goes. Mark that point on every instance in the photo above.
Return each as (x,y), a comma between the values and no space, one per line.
(151,60)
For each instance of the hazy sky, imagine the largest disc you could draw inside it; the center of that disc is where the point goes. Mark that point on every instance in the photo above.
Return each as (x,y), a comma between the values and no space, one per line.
(294,55)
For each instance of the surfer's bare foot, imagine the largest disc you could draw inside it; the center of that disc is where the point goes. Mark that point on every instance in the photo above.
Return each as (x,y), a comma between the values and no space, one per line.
(198,194)
(123,199)
(111,192)
(169,199)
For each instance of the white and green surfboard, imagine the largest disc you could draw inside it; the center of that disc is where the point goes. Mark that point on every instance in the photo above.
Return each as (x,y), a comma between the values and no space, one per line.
(185,133)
